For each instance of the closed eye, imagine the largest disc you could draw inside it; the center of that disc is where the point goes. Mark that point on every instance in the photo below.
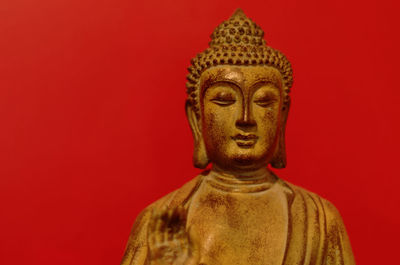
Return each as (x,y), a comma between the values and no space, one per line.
(265,102)
(223,101)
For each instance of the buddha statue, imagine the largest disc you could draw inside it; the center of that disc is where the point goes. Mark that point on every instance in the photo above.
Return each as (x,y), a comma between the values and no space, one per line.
(239,211)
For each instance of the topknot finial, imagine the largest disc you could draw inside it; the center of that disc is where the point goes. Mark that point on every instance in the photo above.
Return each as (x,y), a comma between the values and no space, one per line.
(239,13)
(238,30)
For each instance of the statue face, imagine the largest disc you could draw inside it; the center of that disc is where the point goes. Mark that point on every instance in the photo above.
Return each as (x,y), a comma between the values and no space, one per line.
(241,109)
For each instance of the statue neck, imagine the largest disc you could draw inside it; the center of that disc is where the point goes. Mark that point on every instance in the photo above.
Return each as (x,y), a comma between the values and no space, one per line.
(254,181)
(261,173)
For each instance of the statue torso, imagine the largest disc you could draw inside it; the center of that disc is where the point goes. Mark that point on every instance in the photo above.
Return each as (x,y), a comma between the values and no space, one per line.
(272,223)
(240,222)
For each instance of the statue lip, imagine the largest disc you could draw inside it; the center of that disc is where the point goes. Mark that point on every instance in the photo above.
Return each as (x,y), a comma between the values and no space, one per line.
(245,140)
(244,137)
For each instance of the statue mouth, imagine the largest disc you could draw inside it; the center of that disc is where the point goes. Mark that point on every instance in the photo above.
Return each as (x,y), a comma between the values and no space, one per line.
(245,140)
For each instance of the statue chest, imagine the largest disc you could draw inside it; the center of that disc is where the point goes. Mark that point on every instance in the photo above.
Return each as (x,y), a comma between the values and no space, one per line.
(239,227)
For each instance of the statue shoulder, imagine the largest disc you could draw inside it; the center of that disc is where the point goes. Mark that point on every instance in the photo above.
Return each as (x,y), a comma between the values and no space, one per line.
(326,207)
(310,206)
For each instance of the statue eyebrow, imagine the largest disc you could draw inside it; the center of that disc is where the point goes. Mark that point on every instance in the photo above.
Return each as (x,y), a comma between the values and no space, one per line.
(227,83)
(223,81)
(260,83)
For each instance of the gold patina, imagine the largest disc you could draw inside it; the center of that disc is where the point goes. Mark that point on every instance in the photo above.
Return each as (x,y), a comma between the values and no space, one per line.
(239,212)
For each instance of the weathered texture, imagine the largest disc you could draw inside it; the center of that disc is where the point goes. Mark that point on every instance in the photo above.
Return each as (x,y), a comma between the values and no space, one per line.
(313,235)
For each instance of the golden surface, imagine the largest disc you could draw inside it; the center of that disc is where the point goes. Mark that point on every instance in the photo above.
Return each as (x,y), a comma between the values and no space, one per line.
(239,212)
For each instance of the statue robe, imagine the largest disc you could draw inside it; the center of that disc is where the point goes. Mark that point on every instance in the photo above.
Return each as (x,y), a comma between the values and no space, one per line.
(311,231)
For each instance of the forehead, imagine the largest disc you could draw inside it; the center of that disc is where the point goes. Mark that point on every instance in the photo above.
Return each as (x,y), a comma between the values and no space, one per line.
(243,76)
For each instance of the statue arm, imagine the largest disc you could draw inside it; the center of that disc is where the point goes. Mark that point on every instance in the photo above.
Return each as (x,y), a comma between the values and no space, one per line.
(338,251)
(136,249)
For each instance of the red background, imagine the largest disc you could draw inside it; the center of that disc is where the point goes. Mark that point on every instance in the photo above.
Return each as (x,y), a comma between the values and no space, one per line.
(93,126)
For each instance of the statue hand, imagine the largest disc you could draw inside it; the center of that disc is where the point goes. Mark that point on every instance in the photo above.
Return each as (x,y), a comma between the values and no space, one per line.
(168,241)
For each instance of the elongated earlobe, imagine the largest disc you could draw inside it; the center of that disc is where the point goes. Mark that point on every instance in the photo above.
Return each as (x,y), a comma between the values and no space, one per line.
(200,158)
(279,158)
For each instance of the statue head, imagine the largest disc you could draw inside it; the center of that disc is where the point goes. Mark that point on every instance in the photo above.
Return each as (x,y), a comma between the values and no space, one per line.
(238,99)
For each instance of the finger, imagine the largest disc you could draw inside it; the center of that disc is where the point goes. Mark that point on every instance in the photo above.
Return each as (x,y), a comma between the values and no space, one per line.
(158,229)
(174,221)
(182,214)
(169,226)
(150,238)
(168,231)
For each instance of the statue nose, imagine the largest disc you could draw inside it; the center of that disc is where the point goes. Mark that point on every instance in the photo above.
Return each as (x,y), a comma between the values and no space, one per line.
(246,120)
(245,123)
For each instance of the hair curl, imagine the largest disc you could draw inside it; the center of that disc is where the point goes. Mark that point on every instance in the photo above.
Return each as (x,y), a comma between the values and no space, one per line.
(237,41)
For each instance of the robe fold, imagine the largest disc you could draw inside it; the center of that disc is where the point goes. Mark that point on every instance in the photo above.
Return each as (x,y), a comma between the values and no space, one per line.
(315,233)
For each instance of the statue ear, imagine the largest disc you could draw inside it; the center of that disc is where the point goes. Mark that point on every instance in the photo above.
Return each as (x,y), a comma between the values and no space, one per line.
(279,158)
(200,159)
